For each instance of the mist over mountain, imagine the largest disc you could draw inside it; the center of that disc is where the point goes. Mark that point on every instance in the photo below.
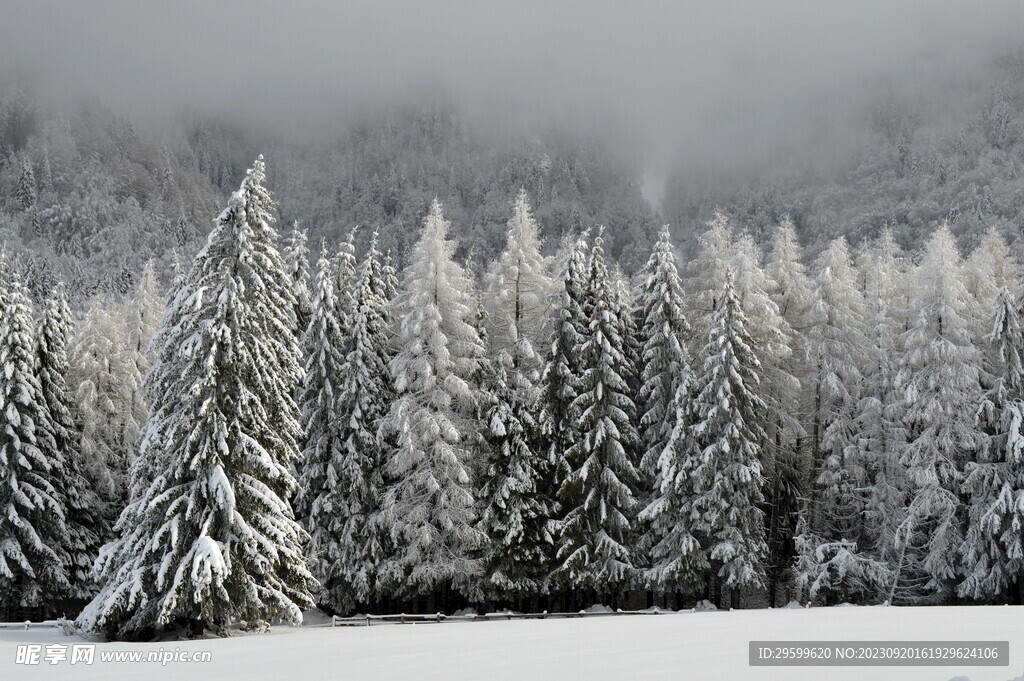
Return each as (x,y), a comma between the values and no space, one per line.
(848,119)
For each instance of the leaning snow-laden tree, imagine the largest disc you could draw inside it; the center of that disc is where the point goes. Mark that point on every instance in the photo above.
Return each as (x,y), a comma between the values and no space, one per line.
(724,476)
(82,505)
(32,530)
(941,389)
(211,540)
(993,551)
(599,493)
(428,505)
(296,262)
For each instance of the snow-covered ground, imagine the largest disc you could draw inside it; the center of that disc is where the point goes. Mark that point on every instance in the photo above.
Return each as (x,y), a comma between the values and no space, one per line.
(685,646)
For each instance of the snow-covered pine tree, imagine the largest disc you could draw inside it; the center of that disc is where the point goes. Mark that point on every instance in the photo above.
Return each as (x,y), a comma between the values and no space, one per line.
(358,544)
(28,195)
(599,493)
(563,370)
(26,191)
(941,388)
(429,506)
(296,261)
(663,367)
(325,344)
(665,362)
(774,339)
(517,510)
(389,277)
(212,538)
(993,551)
(82,506)
(835,342)
(724,478)
(32,528)
(345,271)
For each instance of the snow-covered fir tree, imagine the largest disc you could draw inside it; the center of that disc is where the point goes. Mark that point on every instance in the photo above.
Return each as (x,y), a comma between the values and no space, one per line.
(82,506)
(296,261)
(599,494)
(353,544)
(429,506)
(665,363)
(993,551)
(26,192)
(940,379)
(212,539)
(33,534)
(724,478)
(326,345)
(516,508)
(563,369)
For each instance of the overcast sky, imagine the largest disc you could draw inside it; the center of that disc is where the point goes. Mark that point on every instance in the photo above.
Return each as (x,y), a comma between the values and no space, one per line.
(680,76)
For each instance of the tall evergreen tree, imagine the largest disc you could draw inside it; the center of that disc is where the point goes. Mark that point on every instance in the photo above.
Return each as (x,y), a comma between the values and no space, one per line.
(26,191)
(563,370)
(32,527)
(993,551)
(359,544)
(789,289)
(941,385)
(723,470)
(82,505)
(428,505)
(212,537)
(326,346)
(517,510)
(831,559)
(882,435)
(296,261)
(665,363)
(599,493)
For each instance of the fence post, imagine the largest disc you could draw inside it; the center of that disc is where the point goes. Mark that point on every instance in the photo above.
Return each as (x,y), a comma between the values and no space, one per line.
(367,619)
